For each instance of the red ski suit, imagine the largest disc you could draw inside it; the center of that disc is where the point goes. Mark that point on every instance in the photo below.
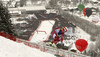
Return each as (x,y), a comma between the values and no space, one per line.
(56,37)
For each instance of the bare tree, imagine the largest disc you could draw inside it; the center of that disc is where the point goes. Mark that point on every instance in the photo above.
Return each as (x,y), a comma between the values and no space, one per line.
(98,47)
(53,3)
(92,50)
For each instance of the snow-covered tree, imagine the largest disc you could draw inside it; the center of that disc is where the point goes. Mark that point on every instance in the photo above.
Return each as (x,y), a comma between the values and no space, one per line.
(53,3)
(92,50)
(5,23)
(23,2)
(98,47)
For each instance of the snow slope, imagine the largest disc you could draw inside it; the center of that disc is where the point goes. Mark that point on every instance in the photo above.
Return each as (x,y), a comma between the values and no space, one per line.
(10,48)
(45,28)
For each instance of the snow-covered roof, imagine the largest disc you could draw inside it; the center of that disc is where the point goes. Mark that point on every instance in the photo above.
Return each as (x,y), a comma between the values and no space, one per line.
(33,8)
(94,0)
(16,12)
(72,7)
(51,11)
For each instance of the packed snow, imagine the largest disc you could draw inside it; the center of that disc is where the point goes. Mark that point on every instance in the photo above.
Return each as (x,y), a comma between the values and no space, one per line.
(10,48)
(43,31)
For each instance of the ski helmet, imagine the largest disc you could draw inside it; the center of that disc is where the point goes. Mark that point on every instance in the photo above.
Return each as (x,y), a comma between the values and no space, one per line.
(65,28)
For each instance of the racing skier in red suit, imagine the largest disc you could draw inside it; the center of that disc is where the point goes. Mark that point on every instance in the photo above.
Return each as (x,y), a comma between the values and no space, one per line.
(58,35)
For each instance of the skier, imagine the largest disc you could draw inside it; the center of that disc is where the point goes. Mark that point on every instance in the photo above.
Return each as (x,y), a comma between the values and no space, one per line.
(58,35)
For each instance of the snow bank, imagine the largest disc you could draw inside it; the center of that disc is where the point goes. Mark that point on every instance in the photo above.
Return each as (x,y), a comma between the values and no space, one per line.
(9,48)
